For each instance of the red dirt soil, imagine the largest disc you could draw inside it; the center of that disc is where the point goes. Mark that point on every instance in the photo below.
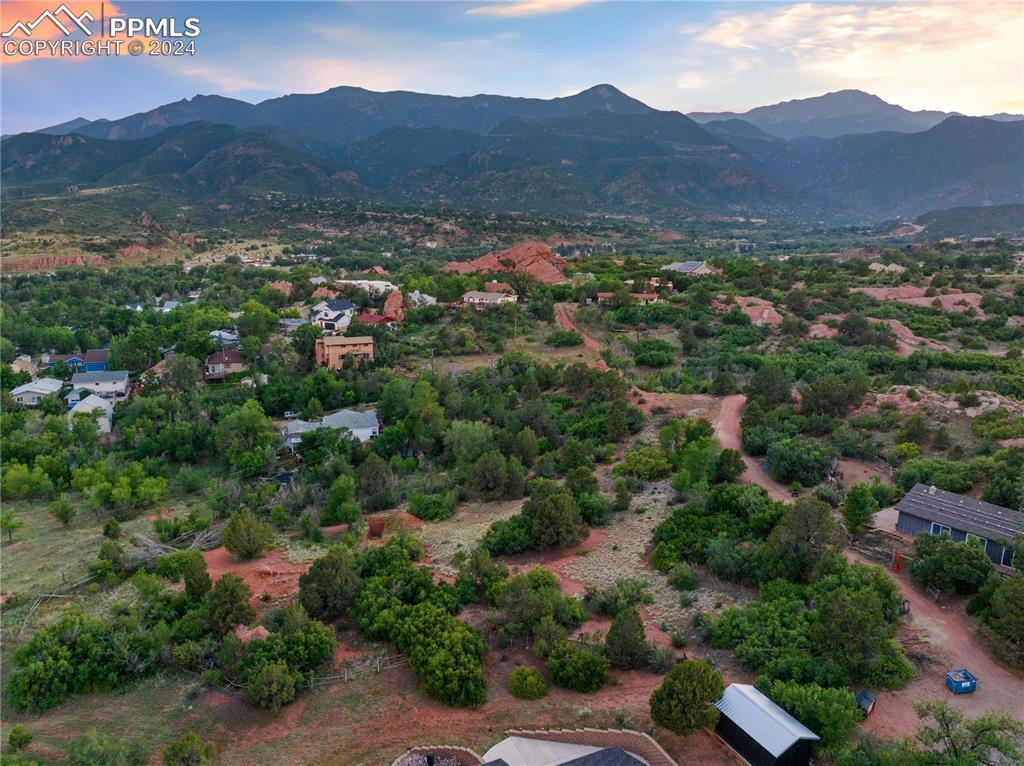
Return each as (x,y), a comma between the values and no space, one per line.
(954,640)
(906,342)
(565,320)
(273,575)
(759,311)
(727,431)
(533,258)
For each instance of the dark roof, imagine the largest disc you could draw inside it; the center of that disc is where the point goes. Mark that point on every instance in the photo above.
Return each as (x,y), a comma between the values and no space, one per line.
(227,356)
(499,762)
(610,756)
(960,512)
(92,355)
(340,304)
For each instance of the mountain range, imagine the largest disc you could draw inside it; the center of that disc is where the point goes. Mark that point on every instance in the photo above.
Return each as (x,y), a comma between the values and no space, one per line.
(838,114)
(599,151)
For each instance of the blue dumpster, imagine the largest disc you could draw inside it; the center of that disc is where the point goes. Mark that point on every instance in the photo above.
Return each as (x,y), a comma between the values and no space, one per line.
(961,681)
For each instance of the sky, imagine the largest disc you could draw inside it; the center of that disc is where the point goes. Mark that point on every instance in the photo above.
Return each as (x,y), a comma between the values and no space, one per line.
(955,55)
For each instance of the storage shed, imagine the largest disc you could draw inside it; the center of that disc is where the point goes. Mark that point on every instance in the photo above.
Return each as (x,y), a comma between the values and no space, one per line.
(760,731)
(930,509)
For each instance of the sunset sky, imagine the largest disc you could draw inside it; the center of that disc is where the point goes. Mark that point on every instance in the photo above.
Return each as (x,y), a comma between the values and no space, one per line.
(961,55)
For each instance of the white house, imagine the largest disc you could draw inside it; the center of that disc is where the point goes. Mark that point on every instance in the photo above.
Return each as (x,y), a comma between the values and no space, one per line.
(111,385)
(224,338)
(419,300)
(690,268)
(93,403)
(362,425)
(372,286)
(30,394)
(482,300)
(334,315)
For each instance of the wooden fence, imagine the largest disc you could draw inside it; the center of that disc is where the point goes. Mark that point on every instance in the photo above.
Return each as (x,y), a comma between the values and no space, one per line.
(357,671)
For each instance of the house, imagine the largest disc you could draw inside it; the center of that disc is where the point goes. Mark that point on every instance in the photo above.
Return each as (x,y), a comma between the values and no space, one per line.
(332,350)
(109,385)
(419,300)
(224,338)
(480,300)
(374,287)
(93,360)
(760,731)
(362,425)
(286,288)
(30,394)
(93,403)
(220,364)
(333,315)
(891,268)
(169,306)
(375,319)
(690,268)
(137,307)
(380,271)
(964,519)
(318,280)
(645,298)
(288,325)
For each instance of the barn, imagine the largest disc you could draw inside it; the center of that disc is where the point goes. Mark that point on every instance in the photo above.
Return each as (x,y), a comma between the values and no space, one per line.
(964,519)
(760,731)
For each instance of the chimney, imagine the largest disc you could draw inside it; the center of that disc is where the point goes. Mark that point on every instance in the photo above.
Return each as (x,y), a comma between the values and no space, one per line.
(931,490)
(431,759)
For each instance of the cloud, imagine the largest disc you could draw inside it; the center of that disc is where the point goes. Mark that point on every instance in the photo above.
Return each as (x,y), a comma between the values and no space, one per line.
(690,81)
(526,8)
(222,78)
(953,55)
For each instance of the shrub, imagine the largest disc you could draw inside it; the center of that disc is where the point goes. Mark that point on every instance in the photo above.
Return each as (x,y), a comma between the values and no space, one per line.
(948,565)
(245,536)
(432,507)
(647,463)
(564,338)
(509,536)
(95,749)
(189,750)
(651,352)
(272,685)
(611,599)
(798,460)
(832,714)
(527,684)
(19,738)
(577,668)
(685,700)
(682,577)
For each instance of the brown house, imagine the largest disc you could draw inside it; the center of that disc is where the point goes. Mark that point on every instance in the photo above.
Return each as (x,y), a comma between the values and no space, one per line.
(220,364)
(332,350)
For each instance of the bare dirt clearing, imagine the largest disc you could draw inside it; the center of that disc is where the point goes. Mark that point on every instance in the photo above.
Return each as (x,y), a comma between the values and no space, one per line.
(727,430)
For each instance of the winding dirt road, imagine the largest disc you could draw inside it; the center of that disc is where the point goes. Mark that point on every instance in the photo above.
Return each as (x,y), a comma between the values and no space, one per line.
(565,320)
(727,430)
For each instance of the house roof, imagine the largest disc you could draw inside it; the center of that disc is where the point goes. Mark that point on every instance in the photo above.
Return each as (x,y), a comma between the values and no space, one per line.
(350,419)
(339,304)
(367,318)
(345,340)
(109,376)
(525,751)
(993,522)
(92,355)
(768,724)
(93,402)
(684,267)
(42,386)
(478,295)
(227,356)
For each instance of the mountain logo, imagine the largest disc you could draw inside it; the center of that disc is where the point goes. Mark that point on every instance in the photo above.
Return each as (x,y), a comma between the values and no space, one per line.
(55,17)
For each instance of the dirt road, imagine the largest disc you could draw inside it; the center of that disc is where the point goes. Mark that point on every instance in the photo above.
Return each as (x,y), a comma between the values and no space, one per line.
(953,640)
(564,318)
(727,430)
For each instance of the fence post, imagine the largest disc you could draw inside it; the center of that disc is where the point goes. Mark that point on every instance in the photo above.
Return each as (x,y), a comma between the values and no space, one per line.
(378,664)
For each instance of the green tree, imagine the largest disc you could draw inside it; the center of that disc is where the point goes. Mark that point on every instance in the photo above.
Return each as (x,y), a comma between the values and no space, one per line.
(525,446)
(62,510)
(730,465)
(626,645)
(915,429)
(256,320)
(189,750)
(685,700)
(832,714)
(245,536)
(554,517)
(227,604)
(1006,619)
(136,352)
(9,524)
(577,668)
(770,385)
(803,535)
(341,501)
(271,686)
(948,739)
(19,737)
(948,565)
(859,508)
(95,749)
(375,481)
(246,438)
(331,586)
(197,578)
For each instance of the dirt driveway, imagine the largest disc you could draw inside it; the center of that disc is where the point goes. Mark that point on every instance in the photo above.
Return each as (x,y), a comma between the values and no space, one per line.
(565,320)
(953,640)
(727,430)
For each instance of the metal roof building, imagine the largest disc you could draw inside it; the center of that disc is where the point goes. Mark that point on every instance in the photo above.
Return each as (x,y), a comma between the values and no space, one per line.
(964,519)
(760,731)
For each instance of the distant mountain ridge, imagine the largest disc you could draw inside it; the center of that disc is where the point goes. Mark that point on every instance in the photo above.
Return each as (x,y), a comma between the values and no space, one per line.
(835,114)
(599,151)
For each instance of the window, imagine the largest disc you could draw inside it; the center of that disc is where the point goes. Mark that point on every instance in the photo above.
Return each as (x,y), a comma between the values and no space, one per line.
(940,529)
(1007,558)
(981,542)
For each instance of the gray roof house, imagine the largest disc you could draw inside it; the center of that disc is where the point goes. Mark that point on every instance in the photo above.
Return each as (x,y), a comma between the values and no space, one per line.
(964,519)
(362,425)
(524,751)
(31,393)
(110,385)
(691,268)
(760,731)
